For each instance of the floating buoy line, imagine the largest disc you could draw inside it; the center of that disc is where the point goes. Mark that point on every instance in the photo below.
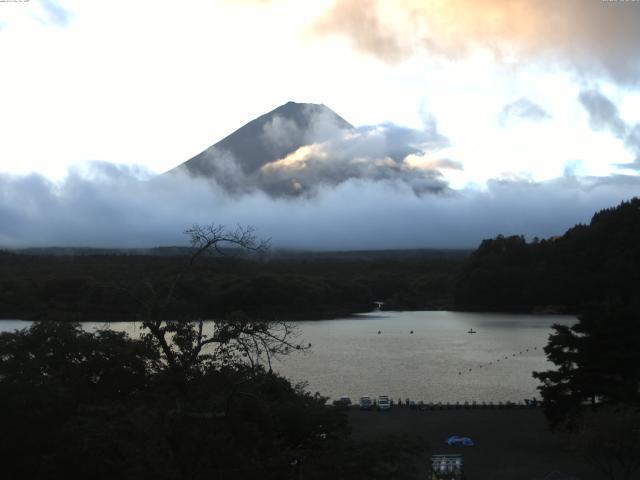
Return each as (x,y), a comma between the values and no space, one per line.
(507,357)
(519,353)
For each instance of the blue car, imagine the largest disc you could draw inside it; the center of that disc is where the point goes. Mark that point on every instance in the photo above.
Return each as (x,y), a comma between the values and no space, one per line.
(464,441)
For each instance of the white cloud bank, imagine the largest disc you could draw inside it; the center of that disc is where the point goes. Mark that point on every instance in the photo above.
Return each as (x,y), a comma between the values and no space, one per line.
(114,206)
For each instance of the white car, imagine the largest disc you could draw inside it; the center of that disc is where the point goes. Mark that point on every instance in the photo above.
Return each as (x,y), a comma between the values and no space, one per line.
(384,403)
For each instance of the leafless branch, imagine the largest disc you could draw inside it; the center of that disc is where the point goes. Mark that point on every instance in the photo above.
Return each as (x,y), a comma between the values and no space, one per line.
(185,345)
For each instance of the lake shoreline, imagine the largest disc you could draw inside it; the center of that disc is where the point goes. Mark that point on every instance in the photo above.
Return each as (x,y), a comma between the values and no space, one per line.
(329,315)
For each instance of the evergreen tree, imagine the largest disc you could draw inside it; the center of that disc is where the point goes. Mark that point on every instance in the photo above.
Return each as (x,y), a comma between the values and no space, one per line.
(597,362)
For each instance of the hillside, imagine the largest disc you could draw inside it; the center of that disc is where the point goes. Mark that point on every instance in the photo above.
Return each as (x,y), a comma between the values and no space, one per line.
(589,264)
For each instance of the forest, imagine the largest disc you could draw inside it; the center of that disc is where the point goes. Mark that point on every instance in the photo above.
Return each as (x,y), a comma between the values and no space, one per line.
(588,265)
(305,285)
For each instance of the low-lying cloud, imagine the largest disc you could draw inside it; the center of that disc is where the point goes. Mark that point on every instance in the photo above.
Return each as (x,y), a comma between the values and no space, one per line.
(384,152)
(301,154)
(114,206)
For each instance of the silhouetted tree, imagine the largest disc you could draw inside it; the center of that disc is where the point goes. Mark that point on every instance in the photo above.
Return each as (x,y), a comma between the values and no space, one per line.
(52,371)
(597,362)
(190,346)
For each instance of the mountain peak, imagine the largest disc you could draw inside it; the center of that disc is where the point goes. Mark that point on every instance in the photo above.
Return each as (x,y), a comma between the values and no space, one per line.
(269,137)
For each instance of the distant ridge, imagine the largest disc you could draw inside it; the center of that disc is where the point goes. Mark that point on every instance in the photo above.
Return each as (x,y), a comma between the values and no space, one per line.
(260,141)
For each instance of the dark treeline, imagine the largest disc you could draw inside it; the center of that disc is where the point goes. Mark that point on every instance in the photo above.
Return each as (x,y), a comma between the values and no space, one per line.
(588,265)
(106,287)
(101,405)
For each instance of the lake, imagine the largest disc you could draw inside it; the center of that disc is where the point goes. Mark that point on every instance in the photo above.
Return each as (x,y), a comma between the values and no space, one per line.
(439,362)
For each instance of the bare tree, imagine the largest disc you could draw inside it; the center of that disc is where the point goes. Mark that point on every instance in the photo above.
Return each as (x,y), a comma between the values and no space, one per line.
(189,345)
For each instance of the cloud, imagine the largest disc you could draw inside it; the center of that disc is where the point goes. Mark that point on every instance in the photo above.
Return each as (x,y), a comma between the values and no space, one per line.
(604,115)
(312,167)
(632,141)
(317,151)
(362,21)
(574,168)
(373,153)
(522,109)
(587,35)
(115,206)
(54,13)
(281,133)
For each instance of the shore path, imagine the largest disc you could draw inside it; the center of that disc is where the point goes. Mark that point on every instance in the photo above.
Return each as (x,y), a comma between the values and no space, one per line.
(512,444)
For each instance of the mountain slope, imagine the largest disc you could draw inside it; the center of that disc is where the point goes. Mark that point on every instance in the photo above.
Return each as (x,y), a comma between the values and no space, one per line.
(269,137)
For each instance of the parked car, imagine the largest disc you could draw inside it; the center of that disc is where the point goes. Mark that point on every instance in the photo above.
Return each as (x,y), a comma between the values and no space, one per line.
(365,403)
(344,402)
(384,403)
(456,440)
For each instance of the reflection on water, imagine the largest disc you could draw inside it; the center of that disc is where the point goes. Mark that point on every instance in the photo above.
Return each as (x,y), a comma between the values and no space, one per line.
(440,361)
(432,364)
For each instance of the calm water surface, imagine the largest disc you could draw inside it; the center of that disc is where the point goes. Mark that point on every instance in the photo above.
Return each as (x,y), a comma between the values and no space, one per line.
(440,361)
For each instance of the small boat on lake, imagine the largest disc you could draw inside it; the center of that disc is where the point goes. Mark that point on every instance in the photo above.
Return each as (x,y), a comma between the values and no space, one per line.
(471,330)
